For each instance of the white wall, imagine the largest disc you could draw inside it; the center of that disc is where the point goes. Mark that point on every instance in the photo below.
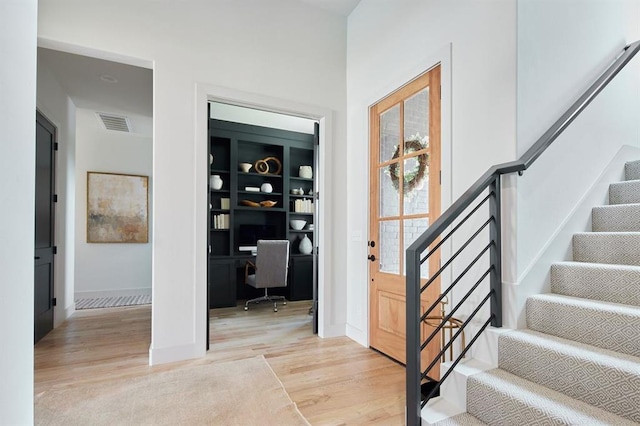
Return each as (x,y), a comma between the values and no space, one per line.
(389,43)
(103,270)
(562,47)
(17,172)
(54,103)
(268,48)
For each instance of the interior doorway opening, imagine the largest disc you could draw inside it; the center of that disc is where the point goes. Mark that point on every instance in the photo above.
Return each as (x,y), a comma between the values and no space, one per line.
(263,185)
(103,110)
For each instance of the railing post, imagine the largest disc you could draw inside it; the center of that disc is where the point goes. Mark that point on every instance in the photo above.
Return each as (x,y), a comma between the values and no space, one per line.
(495,254)
(413,369)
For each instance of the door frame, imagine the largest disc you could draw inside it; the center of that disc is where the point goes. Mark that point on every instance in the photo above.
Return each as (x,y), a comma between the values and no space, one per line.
(442,57)
(324,116)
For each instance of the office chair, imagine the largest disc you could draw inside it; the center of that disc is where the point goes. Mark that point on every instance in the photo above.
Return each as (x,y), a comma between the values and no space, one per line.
(269,271)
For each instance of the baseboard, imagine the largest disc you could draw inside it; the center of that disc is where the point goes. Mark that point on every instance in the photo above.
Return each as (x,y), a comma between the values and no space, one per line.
(175,353)
(359,336)
(112,293)
(334,330)
(67,312)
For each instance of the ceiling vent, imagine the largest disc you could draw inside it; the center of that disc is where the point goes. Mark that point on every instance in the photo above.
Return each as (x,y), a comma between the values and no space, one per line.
(115,122)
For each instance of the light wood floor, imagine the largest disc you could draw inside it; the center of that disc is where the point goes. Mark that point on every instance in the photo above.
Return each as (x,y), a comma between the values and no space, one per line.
(333,381)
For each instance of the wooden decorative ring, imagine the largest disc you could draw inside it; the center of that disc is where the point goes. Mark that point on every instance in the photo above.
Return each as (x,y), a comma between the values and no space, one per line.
(261,167)
(277,162)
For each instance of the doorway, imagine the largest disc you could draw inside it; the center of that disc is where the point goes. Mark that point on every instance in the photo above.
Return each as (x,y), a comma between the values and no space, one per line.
(45,249)
(238,137)
(103,115)
(405,188)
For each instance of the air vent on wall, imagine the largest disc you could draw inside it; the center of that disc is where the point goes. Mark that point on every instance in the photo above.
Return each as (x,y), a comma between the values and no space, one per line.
(114,122)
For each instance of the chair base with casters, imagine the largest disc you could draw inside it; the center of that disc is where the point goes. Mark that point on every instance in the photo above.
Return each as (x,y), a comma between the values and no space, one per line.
(266,298)
(269,271)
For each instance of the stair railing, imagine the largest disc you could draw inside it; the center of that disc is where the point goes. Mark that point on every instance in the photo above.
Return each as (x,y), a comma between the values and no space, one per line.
(489,183)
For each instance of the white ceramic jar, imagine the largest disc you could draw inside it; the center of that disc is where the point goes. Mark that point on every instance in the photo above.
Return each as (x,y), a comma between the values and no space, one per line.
(215,181)
(266,187)
(305,172)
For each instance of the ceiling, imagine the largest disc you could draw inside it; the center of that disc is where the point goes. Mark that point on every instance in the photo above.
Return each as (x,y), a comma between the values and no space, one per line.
(341,7)
(116,88)
(95,83)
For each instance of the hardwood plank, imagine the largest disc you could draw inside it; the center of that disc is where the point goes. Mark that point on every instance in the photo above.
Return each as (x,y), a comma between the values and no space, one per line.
(333,381)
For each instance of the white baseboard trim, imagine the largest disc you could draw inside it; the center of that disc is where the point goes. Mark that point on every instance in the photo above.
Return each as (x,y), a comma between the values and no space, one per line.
(175,353)
(66,313)
(358,336)
(112,293)
(334,330)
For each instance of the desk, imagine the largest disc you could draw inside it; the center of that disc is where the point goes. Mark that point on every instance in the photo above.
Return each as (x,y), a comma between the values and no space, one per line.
(226,280)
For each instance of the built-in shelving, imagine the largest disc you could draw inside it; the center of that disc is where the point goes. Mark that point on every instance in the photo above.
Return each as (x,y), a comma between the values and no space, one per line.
(232,144)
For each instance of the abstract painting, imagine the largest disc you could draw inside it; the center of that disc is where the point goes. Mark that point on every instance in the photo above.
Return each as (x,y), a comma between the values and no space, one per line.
(117,208)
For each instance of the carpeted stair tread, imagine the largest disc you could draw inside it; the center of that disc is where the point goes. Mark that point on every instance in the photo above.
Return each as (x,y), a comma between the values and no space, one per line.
(596,376)
(597,281)
(606,325)
(616,218)
(619,248)
(498,397)
(464,419)
(632,170)
(627,192)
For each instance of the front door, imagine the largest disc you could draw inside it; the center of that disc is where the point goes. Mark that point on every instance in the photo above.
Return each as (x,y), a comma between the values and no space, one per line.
(44,226)
(405,199)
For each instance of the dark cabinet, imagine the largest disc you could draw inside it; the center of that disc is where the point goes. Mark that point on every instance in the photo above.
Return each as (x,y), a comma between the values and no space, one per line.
(301,278)
(262,190)
(222,283)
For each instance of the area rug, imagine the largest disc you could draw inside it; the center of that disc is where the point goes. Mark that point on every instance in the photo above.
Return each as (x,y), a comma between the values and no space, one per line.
(111,302)
(242,392)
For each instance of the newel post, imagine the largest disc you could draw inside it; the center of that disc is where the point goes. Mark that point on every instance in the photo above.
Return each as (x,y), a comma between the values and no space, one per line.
(496,252)
(413,371)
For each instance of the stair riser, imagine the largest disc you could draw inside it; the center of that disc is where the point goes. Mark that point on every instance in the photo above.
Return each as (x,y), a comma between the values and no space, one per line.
(500,409)
(620,218)
(617,249)
(624,192)
(632,170)
(597,282)
(588,380)
(613,330)
(509,400)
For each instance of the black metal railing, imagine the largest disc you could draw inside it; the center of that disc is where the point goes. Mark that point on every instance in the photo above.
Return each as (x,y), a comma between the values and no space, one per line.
(433,239)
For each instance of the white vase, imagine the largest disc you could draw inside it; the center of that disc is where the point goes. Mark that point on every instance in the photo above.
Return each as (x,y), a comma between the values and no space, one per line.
(305,246)
(266,187)
(305,172)
(215,181)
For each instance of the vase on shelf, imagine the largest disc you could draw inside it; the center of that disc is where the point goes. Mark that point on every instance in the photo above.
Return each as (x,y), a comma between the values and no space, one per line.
(266,187)
(305,246)
(305,172)
(215,181)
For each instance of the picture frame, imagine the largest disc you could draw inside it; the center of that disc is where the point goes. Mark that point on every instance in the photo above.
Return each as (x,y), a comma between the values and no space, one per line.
(117,208)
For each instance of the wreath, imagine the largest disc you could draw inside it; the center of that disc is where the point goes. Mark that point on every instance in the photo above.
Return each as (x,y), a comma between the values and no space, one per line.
(414,176)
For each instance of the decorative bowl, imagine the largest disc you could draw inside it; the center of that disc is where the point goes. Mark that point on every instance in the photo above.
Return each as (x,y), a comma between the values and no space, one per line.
(297,224)
(268,203)
(245,167)
(249,203)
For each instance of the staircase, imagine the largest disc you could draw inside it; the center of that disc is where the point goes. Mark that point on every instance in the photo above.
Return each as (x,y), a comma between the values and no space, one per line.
(578,363)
